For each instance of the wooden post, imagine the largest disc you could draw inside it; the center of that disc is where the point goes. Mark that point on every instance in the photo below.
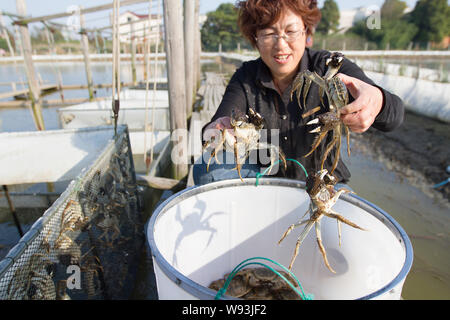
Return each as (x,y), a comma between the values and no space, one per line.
(133,54)
(177,90)
(29,68)
(198,47)
(146,49)
(97,46)
(13,210)
(189,42)
(87,60)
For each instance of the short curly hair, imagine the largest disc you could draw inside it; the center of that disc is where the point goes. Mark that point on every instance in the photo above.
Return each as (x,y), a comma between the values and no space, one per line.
(255,15)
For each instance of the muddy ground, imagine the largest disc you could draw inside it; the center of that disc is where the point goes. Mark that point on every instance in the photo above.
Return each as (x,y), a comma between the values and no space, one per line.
(419,151)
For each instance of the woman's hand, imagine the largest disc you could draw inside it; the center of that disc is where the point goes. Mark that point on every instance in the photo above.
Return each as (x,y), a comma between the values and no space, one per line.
(361,113)
(212,129)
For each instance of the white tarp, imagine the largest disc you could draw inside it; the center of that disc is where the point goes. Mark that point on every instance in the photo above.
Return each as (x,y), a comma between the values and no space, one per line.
(429,98)
(50,156)
(132,112)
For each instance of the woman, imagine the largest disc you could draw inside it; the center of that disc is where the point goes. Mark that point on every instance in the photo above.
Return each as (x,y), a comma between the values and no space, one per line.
(280,31)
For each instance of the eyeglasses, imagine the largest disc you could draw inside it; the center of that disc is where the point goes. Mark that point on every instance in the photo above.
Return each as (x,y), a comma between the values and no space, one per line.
(272,38)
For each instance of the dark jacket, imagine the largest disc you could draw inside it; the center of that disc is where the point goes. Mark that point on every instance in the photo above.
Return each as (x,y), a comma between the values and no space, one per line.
(252,86)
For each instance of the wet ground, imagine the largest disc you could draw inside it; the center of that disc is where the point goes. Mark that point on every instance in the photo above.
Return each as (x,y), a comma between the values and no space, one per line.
(419,151)
(397,171)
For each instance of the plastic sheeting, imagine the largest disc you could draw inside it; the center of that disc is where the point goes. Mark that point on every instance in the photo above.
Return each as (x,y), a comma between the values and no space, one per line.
(50,156)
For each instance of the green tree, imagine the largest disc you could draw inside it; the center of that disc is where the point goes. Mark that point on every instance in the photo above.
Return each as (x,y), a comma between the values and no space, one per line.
(330,17)
(398,33)
(221,27)
(395,29)
(431,19)
(3,44)
(393,9)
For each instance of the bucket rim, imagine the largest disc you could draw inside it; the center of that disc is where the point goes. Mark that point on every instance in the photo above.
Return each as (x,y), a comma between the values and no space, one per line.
(204,293)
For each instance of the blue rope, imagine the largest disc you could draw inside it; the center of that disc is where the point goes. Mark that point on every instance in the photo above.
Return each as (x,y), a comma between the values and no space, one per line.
(259,175)
(443,183)
(243,264)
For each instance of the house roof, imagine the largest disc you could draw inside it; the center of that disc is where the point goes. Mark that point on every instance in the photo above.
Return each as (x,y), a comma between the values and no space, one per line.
(142,16)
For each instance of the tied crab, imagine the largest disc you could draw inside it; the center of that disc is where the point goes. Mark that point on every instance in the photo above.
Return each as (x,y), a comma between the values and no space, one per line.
(246,132)
(320,188)
(337,95)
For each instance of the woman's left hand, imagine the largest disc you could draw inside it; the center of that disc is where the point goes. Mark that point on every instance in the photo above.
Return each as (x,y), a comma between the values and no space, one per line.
(361,113)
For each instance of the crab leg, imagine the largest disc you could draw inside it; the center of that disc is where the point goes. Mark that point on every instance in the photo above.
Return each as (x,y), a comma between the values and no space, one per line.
(348,139)
(300,239)
(236,159)
(316,142)
(338,148)
(310,112)
(321,92)
(327,150)
(298,83)
(305,91)
(339,231)
(209,160)
(335,215)
(321,247)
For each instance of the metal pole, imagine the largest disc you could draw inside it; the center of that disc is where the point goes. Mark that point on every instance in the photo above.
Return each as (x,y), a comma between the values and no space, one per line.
(13,211)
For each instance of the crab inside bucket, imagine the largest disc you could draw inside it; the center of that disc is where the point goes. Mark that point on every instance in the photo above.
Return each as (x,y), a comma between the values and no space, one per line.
(200,234)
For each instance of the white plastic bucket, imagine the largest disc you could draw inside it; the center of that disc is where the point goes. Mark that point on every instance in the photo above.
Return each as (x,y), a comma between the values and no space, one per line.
(201,233)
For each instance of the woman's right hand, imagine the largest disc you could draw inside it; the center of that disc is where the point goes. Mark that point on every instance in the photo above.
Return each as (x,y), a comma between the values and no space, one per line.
(219,125)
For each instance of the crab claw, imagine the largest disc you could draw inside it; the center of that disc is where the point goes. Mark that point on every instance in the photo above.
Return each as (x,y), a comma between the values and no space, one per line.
(313,121)
(318,129)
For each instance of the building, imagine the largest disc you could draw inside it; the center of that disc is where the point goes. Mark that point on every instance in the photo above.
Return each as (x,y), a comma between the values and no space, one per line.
(140,26)
(143,26)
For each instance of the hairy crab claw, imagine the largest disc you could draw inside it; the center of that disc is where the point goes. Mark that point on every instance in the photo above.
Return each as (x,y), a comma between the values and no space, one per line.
(320,188)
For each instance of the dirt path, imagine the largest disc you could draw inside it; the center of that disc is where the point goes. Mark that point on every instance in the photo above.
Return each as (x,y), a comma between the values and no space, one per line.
(419,151)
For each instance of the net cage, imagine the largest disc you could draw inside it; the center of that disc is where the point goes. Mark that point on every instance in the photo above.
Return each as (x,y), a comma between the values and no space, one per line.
(87,244)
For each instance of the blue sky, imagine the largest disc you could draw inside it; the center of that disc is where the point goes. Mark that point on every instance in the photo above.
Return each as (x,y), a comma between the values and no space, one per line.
(45,7)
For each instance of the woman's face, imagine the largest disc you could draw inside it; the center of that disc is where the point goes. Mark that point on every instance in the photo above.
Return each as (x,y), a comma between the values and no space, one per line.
(282,55)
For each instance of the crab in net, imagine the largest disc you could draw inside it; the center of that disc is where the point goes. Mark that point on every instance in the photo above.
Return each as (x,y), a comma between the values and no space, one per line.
(320,188)
(243,137)
(337,95)
(258,284)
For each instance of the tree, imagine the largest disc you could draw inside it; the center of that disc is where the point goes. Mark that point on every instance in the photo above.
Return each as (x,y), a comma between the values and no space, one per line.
(393,9)
(221,27)
(431,19)
(395,29)
(330,17)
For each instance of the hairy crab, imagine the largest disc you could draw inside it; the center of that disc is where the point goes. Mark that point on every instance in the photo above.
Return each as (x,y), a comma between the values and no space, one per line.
(320,188)
(245,136)
(258,284)
(337,95)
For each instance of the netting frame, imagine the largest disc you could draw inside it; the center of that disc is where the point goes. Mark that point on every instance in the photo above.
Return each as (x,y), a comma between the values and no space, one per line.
(21,277)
